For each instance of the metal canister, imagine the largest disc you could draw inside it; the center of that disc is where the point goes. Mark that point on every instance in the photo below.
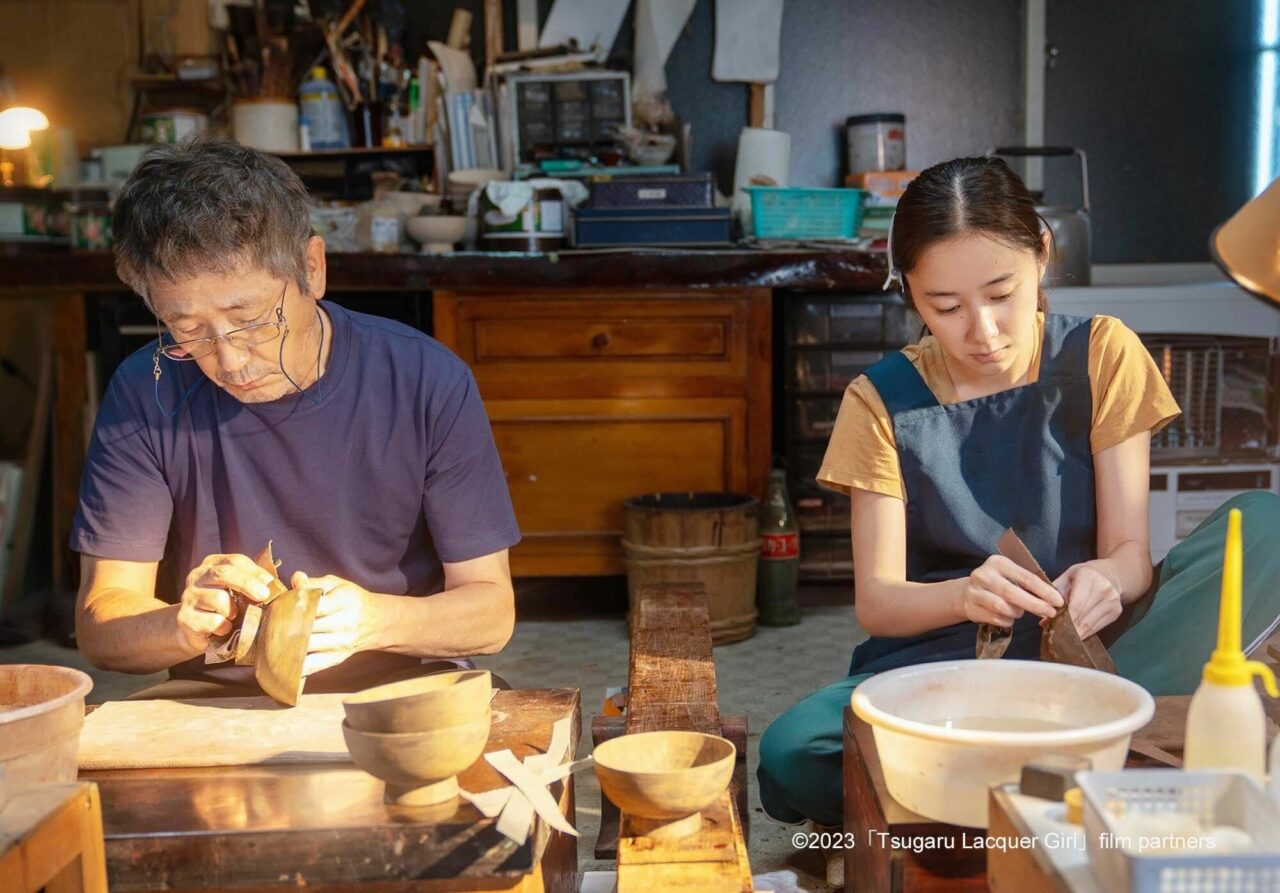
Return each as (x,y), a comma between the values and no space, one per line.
(172,125)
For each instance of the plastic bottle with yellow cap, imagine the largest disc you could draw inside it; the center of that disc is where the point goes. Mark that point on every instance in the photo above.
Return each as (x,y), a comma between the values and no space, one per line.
(1226,725)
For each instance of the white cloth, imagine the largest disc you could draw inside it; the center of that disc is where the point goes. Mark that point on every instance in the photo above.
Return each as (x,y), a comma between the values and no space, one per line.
(748,39)
(658,26)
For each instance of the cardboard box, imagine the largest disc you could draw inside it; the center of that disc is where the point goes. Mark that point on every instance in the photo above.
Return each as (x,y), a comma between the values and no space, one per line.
(881,184)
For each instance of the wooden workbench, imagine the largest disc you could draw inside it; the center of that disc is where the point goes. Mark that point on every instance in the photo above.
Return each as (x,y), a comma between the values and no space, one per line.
(254,827)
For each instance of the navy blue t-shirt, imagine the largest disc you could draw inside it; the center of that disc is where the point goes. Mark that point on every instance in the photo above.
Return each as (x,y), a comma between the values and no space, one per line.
(385,468)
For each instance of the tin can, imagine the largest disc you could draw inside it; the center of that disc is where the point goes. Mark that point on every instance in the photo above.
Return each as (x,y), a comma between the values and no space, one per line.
(876,142)
(89,211)
(172,125)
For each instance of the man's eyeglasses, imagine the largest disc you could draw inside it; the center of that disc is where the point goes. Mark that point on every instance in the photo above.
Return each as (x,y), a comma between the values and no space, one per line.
(243,339)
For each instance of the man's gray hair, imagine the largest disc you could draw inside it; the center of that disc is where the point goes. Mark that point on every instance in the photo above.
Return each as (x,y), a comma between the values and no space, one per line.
(209,206)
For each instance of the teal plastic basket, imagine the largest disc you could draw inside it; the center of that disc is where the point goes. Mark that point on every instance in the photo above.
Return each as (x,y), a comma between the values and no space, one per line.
(792,212)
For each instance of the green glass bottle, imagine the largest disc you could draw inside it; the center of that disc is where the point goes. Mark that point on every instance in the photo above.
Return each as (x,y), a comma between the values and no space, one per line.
(777,576)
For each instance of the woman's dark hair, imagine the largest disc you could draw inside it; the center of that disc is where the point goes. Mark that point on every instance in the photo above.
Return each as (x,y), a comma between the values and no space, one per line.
(964,195)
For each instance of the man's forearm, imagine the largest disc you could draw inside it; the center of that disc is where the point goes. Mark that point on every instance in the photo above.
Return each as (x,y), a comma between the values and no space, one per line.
(475,618)
(130,632)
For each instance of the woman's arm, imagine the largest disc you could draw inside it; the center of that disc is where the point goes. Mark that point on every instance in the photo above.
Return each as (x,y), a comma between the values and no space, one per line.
(1097,590)
(888,605)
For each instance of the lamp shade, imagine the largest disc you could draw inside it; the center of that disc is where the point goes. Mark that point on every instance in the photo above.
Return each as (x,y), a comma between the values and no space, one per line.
(1247,246)
(32,119)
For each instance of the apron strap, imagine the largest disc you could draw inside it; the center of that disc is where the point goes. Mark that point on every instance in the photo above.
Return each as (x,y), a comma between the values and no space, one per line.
(900,385)
(1065,350)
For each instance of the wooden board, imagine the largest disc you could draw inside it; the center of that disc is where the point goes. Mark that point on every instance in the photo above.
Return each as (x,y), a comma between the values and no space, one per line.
(213,732)
(672,686)
(51,838)
(325,826)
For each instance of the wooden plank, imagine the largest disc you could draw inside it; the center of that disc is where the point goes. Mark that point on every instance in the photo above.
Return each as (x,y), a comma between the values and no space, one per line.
(672,676)
(672,686)
(492,31)
(1015,869)
(755,110)
(51,837)
(68,430)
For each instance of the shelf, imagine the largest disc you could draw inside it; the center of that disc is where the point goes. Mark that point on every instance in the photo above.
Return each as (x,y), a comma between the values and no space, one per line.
(847,345)
(334,154)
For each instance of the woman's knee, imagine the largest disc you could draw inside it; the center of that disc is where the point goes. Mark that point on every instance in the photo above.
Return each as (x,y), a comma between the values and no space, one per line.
(1260,510)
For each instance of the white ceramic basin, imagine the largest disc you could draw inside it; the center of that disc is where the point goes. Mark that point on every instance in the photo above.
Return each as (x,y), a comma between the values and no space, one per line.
(945,732)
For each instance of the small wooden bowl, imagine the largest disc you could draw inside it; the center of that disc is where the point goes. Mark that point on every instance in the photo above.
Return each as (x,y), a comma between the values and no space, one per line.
(422,704)
(420,768)
(663,780)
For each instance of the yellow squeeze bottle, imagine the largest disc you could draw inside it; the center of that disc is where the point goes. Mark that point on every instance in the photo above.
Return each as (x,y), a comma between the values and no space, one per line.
(1226,727)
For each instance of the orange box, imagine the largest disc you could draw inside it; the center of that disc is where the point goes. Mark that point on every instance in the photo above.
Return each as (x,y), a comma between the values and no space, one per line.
(882,184)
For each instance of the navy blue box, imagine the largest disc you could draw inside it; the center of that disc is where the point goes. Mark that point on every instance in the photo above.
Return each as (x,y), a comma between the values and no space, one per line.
(652,191)
(596,227)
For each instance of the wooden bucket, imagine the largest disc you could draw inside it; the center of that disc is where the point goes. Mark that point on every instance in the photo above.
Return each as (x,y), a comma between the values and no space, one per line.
(708,538)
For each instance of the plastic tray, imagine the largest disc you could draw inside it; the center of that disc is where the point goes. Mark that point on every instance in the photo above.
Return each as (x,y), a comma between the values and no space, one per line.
(1199,799)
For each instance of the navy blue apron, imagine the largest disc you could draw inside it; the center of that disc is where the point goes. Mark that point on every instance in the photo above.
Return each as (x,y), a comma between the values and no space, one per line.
(1019,458)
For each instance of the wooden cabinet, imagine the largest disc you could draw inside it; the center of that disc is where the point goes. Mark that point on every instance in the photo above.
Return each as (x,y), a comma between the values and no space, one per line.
(597,396)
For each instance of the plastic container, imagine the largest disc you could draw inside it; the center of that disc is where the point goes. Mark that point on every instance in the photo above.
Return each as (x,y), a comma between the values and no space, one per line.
(975,723)
(1116,807)
(41,712)
(321,106)
(89,219)
(791,212)
(1226,725)
(876,142)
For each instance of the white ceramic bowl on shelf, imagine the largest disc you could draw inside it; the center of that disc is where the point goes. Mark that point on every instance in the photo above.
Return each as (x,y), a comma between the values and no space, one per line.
(437,232)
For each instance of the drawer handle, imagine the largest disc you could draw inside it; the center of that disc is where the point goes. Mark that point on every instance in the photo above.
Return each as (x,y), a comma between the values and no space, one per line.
(601,340)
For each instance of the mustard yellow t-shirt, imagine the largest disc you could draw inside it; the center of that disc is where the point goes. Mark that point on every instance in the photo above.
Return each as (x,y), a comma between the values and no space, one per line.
(1129,396)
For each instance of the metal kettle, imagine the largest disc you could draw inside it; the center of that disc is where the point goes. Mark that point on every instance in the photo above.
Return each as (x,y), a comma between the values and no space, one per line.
(1072,234)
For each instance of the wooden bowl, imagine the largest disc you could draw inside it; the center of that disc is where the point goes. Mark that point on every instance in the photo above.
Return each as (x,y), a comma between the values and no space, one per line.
(422,704)
(419,768)
(663,780)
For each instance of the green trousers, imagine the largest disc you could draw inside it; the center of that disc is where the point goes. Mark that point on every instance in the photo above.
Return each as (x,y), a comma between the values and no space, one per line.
(1161,642)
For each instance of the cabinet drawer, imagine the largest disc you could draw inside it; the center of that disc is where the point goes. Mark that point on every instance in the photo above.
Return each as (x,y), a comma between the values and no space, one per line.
(571,464)
(629,346)
(615,336)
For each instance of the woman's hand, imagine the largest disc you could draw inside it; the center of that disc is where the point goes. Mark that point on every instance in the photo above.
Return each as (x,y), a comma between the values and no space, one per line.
(1093,591)
(206,607)
(346,621)
(999,592)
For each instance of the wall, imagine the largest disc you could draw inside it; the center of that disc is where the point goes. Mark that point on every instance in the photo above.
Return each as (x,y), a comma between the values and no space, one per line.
(70,59)
(1161,98)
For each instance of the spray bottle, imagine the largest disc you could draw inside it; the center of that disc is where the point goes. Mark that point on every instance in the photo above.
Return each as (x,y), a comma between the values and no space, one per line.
(1226,726)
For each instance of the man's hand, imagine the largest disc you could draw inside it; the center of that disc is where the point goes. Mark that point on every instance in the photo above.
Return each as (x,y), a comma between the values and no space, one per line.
(345,621)
(206,607)
(1093,591)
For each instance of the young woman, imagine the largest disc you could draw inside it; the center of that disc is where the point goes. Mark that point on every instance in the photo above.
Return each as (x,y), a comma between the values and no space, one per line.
(1005,416)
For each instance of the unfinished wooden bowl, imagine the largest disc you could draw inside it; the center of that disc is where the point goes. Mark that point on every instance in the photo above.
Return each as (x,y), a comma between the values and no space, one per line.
(663,780)
(422,704)
(419,768)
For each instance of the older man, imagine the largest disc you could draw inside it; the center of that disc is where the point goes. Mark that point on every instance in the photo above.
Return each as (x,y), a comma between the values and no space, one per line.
(358,445)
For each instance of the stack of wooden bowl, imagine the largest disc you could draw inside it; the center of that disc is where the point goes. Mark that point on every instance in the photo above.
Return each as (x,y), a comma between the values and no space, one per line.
(417,735)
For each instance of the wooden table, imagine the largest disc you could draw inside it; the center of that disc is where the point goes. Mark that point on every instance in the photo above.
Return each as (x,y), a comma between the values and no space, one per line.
(325,825)
(51,838)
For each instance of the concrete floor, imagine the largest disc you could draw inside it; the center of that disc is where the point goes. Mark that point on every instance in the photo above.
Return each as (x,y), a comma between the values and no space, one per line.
(760,677)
